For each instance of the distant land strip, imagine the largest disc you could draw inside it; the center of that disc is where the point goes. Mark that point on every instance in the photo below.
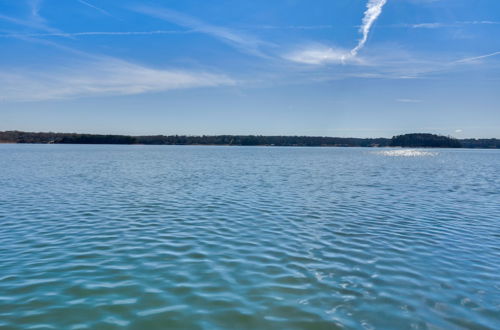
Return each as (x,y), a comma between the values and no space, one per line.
(422,140)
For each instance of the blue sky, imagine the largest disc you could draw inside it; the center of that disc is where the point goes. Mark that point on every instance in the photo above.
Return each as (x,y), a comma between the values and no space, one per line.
(364,68)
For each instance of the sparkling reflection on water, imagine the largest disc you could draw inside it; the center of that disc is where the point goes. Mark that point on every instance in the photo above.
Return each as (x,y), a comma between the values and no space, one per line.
(146,237)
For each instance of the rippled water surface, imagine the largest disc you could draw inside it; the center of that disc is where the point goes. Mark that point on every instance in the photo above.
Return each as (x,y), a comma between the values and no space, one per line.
(164,237)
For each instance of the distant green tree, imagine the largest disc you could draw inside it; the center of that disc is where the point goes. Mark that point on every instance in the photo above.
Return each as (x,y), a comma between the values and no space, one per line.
(425,140)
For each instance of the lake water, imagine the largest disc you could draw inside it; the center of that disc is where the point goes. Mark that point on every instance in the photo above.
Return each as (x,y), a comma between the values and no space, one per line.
(188,237)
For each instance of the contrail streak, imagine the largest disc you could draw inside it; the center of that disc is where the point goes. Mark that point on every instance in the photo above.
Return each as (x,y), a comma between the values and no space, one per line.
(373,11)
(477,58)
(97,33)
(94,7)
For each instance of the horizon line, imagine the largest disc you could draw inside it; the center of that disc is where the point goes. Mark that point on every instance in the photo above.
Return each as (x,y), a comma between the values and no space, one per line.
(246,135)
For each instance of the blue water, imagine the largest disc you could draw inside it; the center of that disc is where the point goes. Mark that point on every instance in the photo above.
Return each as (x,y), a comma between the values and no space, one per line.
(187,237)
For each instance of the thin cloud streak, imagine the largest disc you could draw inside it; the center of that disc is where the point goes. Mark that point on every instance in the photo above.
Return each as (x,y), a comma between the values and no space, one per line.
(477,58)
(94,33)
(33,24)
(245,43)
(35,20)
(290,27)
(437,25)
(88,4)
(426,25)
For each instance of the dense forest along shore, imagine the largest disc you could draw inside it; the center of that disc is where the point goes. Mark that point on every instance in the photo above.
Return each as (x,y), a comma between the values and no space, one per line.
(415,140)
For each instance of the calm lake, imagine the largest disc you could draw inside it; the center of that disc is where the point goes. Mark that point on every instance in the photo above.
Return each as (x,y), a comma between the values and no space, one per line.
(188,237)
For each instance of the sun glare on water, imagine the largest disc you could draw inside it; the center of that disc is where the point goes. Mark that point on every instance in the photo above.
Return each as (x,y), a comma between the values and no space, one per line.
(406,153)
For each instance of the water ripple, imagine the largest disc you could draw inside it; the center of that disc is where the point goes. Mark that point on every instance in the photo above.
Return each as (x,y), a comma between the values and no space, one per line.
(145,237)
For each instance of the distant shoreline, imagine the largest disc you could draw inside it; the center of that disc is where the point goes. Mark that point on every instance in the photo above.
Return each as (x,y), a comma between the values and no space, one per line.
(234,145)
(414,140)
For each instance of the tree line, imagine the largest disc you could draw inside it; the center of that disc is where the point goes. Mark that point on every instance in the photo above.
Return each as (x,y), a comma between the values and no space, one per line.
(406,140)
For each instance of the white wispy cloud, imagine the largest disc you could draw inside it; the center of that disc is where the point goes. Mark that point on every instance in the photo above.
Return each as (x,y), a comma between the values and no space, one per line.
(29,23)
(320,54)
(33,21)
(106,76)
(325,55)
(409,100)
(35,9)
(373,11)
(88,4)
(382,62)
(85,74)
(244,42)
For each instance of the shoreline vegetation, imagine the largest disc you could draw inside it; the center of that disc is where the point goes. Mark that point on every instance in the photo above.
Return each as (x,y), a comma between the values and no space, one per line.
(415,140)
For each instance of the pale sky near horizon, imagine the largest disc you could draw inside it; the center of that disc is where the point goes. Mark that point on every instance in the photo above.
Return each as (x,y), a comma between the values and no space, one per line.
(364,68)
